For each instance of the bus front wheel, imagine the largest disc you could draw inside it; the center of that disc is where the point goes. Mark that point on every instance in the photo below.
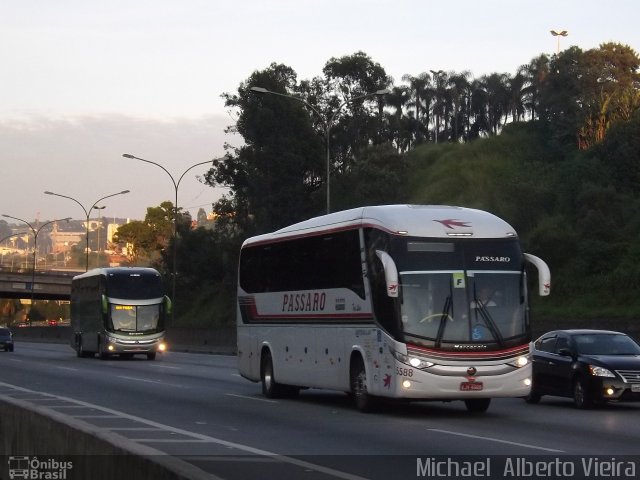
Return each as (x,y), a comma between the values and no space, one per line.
(364,402)
(102,354)
(478,405)
(80,352)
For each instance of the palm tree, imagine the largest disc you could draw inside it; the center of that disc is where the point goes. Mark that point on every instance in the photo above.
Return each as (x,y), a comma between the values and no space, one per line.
(420,98)
(397,99)
(517,86)
(458,88)
(497,90)
(440,101)
(536,72)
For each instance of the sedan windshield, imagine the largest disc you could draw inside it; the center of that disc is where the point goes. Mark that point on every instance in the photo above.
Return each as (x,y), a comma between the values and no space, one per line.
(606,344)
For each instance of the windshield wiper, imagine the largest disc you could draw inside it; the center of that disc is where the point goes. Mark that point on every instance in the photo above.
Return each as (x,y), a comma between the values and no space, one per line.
(488,319)
(443,319)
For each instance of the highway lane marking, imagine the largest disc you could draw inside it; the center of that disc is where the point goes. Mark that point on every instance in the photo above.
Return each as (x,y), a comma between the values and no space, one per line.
(134,429)
(16,360)
(165,366)
(68,368)
(490,439)
(169,440)
(251,398)
(155,382)
(237,458)
(205,438)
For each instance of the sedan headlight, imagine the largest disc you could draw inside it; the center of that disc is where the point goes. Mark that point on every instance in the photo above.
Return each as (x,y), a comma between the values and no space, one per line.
(600,371)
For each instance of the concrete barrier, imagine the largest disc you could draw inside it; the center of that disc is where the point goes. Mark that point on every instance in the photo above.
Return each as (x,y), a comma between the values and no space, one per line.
(33,431)
(221,340)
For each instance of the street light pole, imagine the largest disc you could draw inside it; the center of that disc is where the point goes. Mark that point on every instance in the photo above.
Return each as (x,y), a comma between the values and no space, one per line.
(328,123)
(176,186)
(87,213)
(35,247)
(557,34)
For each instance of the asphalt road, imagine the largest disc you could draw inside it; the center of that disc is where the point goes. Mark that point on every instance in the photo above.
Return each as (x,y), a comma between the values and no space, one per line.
(198,408)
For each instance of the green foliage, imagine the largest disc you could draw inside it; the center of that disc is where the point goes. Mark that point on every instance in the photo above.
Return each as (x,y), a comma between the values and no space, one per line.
(572,208)
(553,149)
(377,177)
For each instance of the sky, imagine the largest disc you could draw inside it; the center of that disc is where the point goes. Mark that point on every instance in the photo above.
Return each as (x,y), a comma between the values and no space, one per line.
(84,81)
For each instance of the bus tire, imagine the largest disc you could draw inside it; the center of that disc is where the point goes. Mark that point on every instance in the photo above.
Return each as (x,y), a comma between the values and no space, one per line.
(151,355)
(102,355)
(80,352)
(533,397)
(477,405)
(358,379)
(270,388)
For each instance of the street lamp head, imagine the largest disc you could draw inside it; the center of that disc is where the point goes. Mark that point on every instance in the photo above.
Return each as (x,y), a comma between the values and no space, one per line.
(562,33)
(127,155)
(124,191)
(259,90)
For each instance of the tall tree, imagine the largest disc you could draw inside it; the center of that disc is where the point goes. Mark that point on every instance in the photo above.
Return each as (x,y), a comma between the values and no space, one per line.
(585,92)
(354,126)
(421,95)
(459,88)
(274,177)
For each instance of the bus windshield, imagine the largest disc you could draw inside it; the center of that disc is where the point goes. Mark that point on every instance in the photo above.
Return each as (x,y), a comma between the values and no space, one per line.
(135,286)
(458,306)
(135,318)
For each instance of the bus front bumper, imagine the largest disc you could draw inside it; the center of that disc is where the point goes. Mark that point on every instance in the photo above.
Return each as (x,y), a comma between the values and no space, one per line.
(119,345)
(417,384)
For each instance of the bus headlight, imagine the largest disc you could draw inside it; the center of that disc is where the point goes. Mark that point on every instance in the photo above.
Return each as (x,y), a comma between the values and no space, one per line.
(520,362)
(415,362)
(162,347)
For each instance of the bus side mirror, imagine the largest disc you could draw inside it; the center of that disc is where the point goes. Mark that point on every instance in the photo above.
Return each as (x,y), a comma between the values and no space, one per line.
(168,305)
(105,304)
(390,273)
(544,274)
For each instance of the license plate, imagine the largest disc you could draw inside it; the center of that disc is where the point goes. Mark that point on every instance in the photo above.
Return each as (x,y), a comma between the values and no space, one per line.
(470,386)
(635,387)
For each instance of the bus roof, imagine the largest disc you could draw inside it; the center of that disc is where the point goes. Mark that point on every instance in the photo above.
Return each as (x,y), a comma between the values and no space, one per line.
(429,221)
(109,270)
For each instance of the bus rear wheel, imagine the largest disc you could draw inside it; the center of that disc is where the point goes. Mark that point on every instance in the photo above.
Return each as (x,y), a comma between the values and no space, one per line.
(270,388)
(477,405)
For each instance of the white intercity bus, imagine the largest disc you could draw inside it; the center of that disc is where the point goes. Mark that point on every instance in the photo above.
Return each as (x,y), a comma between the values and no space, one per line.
(118,311)
(399,301)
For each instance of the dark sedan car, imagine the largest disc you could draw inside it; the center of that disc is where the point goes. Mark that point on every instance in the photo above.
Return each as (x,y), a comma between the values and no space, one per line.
(6,339)
(590,366)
